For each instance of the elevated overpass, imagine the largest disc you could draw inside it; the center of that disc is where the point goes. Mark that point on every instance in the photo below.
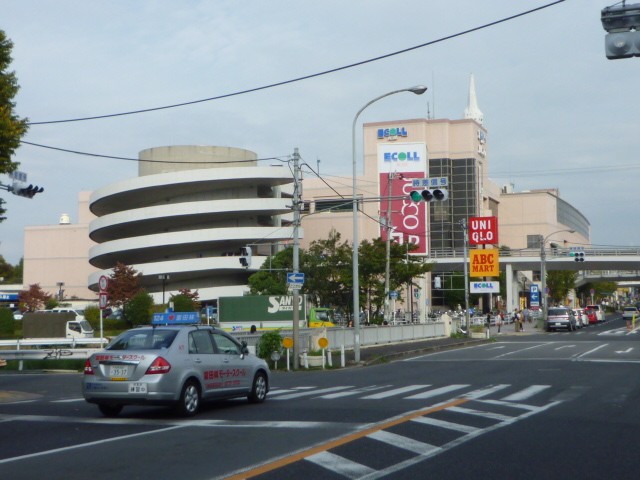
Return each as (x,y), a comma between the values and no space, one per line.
(620,259)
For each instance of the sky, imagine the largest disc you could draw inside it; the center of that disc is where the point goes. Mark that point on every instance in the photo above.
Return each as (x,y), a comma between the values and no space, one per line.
(558,113)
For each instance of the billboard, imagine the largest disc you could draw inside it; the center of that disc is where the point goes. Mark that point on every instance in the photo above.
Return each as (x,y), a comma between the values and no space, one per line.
(398,164)
(484,262)
(483,230)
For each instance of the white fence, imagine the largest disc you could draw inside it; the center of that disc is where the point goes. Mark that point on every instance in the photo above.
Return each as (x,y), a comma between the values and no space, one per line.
(337,337)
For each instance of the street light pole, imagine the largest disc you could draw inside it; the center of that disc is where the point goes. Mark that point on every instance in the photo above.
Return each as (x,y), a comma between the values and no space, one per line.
(418,90)
(543,270)
(164,277)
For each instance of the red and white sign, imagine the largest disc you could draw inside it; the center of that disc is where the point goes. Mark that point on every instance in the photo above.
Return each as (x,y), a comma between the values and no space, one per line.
(483,230)
(103,300)
(103,283)
(405,161)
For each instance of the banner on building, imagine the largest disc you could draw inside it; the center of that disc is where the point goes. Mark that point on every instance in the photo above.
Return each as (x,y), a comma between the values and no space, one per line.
(398,164)
(484,262)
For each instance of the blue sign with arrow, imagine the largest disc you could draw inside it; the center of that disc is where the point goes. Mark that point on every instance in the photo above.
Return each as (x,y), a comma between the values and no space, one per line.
(296,278)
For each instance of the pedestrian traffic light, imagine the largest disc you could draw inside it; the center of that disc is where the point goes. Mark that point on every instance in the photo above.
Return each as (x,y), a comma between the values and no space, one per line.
(577,254)
(622,23)
(245,256)
(26,191)
(429,195)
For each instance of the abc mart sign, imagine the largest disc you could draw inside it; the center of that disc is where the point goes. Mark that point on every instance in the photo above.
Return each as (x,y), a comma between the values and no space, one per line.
(484,287)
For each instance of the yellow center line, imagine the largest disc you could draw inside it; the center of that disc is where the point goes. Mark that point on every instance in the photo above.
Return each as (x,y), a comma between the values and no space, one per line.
(268,467)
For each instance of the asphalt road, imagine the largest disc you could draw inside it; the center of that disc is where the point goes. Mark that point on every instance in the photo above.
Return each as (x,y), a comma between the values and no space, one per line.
(533,405)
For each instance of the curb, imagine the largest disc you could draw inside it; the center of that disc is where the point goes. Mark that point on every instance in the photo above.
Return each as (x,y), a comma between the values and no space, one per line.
(385,358)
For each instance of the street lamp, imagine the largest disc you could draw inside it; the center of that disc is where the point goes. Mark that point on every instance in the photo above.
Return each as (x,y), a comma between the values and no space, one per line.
(418,90)
(164,277)
(543,270)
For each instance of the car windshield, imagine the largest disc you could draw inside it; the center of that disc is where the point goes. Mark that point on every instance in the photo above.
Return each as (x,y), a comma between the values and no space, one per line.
(151,339)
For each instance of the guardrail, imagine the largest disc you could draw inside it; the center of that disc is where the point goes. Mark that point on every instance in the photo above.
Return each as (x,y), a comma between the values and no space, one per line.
(535,252)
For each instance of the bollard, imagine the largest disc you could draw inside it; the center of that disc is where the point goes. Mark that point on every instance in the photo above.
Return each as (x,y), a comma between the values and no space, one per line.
(305,361)
(323,359)
(342,364)
(329,359)
(288,359)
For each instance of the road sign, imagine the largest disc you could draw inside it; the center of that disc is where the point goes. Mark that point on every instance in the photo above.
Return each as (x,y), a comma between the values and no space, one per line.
(296,278)
(287,342)
(323,342)
(102,283)
(393,295)
(103,300)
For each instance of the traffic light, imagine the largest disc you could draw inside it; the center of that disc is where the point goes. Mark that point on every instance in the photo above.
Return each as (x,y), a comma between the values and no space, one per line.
(577,254)
(622,23)
(245,256)
(429,195)
(26,191)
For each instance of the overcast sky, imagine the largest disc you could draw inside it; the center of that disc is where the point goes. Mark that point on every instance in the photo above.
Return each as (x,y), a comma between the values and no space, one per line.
(559,114)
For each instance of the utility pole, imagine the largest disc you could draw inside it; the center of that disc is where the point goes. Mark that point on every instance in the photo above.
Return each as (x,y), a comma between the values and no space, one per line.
(463,224)
(387,269)
(296,256)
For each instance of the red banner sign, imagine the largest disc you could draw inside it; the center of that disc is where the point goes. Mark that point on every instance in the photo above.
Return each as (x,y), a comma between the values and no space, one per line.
(483,230)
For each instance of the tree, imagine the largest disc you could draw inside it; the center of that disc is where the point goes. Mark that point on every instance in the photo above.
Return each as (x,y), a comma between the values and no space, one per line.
(559,282)
(139,308)
(123,285)
(12,128)
(9,273)
(271,279)
(33,299)
(185,301)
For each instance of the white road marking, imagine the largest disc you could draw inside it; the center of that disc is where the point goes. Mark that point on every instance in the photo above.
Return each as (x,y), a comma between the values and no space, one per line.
(340,465)
(435,391)
(483,392)
(625,351)
(396,391)
(403,442)
(479,413)
(565,346)
(348,393)
(444,424)
(311,392)
(526,393)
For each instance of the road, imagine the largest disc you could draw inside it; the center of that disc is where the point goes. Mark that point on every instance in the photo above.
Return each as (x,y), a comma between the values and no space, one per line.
(548,405)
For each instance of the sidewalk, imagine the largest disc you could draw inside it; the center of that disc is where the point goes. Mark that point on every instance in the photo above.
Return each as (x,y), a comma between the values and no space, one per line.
(374,354)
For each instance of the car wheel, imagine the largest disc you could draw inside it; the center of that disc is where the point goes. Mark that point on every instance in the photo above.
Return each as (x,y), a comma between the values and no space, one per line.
(258,389)
(109,410)
(189,402)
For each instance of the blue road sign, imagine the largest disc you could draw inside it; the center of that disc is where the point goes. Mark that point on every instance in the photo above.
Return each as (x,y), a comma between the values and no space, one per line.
(295,278)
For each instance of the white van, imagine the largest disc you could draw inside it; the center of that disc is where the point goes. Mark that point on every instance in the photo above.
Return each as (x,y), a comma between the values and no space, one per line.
(79,312)
(599,309)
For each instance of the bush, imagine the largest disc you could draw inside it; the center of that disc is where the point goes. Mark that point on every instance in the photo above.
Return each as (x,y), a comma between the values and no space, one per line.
(92,314)
(183,303)
(139,309)
(6,322)
(269,342)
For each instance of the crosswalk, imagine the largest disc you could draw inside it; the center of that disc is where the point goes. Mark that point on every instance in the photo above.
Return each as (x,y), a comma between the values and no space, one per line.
(462,412)
(407,392)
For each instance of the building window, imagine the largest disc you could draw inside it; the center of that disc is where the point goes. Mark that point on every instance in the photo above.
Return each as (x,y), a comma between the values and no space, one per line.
(534,241)
(334,205)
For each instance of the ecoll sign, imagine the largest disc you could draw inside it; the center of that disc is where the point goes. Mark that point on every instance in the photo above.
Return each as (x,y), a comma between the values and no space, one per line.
(483,230)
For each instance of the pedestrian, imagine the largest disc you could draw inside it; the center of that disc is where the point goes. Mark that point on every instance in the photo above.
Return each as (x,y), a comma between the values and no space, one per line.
(516,320)
(488,319)
(521,320)
(499,321)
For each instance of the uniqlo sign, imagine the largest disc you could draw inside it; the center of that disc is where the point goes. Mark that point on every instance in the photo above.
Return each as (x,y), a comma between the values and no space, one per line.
(483,230)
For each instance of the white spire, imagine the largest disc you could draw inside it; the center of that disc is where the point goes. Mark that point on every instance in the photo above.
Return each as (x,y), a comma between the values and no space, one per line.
(472,111)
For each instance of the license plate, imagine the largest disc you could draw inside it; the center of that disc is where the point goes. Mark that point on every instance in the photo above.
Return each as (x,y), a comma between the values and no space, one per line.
(118,371)
(558,324)
(137,387)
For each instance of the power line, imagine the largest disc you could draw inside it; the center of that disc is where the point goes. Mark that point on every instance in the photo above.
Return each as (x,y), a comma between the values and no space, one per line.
(305,77)
(76,152)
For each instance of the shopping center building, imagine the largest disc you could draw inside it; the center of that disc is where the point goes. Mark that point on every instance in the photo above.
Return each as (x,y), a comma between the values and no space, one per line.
(183,221)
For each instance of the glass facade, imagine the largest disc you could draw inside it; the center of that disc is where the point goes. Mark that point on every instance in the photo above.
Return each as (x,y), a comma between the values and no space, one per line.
(444,217)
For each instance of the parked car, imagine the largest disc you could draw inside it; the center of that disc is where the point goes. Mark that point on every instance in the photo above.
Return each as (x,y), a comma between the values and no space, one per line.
(599,309)
(581,317)
(591,315)
(629,312)
(560,317)
(173,365)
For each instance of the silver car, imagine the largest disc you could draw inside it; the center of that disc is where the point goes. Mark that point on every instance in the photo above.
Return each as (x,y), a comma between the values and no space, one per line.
(173,365)
(560,317)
